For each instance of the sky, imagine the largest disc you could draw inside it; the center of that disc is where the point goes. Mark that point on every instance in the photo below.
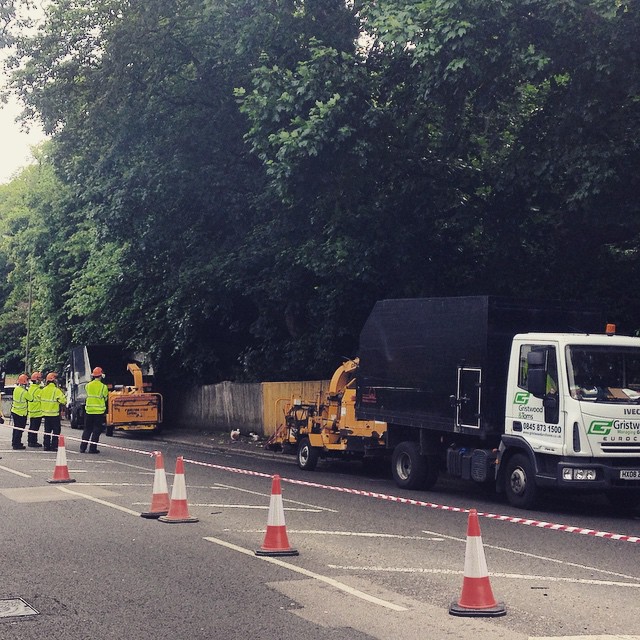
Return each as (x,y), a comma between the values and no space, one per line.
(15,144)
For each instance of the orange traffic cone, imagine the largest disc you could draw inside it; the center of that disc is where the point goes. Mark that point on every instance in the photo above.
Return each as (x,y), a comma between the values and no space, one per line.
(61,472)
(178,509)
(477,598)
(160,494)
(276,542)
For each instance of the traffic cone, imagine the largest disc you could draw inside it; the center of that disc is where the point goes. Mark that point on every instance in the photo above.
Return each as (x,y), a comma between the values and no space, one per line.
(160,494)
(178,509)
(477,598)
(61,472)
(276,542)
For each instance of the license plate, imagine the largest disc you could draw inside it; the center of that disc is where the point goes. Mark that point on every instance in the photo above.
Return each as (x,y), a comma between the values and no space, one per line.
(629,474)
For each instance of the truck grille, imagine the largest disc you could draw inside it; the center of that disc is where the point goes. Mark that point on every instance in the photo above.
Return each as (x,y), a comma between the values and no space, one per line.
(625,448)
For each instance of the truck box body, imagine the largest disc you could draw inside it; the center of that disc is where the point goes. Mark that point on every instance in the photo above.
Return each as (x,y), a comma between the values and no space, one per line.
(441,363)
(113,359)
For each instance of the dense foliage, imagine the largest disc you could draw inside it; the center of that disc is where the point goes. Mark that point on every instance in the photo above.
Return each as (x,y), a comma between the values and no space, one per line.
(230,185)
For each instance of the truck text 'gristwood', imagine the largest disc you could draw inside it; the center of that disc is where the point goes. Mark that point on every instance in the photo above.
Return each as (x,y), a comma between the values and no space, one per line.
(518,393)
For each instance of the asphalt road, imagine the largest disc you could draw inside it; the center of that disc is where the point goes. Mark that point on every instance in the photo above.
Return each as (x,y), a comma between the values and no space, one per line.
(78,562)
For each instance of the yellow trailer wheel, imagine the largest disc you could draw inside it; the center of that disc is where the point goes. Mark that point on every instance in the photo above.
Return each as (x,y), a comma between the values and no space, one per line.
(308,456)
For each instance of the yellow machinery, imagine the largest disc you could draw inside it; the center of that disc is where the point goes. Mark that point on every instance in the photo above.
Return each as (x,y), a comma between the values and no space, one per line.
(130,408)
(328,427)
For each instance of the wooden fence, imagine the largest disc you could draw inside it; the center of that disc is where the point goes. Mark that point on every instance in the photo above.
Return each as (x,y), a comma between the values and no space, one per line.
(250,407)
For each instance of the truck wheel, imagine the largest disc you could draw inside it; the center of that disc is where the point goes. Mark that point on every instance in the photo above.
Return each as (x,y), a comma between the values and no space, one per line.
(520,483)
(623,502)
(73,419)
(307,455)
(412,470)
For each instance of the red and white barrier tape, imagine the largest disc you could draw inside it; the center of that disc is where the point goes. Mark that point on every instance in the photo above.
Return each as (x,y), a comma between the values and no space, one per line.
(431,505)
(67,438)
(381,496)
(111,446)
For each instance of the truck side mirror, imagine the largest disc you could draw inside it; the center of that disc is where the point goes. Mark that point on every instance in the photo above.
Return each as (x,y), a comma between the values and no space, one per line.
(536,359)
(537,382)
(536,373)
(551,408)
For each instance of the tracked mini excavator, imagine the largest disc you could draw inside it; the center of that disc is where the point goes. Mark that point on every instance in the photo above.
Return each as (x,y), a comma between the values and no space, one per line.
(327,427)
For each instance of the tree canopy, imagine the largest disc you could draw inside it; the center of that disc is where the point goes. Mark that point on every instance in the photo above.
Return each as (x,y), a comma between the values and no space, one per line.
(231,185)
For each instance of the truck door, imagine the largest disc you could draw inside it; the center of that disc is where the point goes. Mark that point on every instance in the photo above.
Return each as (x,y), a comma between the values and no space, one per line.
(534,409)
(468,398)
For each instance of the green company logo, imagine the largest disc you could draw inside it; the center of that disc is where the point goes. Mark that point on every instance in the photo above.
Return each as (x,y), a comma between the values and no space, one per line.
(522,397)
(600,427)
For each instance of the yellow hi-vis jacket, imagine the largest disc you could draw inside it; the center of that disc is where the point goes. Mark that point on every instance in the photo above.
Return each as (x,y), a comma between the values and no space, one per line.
(97,394)
(19,404)
(33,398)
(51,397)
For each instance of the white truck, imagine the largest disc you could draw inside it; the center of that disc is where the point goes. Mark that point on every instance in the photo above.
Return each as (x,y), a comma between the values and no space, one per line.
(572,416)
(526,395)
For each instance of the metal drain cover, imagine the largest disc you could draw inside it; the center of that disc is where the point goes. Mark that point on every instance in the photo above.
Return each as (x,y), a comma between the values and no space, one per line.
(14,607)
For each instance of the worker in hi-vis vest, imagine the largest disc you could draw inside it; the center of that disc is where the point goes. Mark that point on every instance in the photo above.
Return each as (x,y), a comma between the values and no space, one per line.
(19,411)
(52,399)
(35,409)
(95,411)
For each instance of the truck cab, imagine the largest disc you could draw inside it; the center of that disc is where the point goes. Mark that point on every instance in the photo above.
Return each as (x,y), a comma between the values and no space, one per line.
(572,416)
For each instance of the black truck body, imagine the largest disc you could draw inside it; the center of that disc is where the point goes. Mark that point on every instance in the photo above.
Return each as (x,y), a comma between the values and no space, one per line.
(419,358)
(113,359)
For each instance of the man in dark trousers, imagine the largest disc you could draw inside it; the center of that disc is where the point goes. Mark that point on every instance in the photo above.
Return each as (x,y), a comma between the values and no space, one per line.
(19,411)
(94,411)
(52,399)
(35,409)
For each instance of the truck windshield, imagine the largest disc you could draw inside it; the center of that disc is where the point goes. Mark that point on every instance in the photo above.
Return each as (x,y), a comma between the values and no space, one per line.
(604,374)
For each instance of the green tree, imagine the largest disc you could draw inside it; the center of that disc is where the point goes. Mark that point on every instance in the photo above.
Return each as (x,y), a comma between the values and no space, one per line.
(535,100)
(30,320)
(502,131)
(237,183)
(149,140)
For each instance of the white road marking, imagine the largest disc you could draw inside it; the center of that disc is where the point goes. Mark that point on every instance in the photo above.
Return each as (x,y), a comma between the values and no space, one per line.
(268,495)
(545,558)
(102,502)
(310,574)
(617,637)
(252,506)
(110,484)
(16,473)
(515,576)
(102,472)
(71,471)
(123,464)
(134,484)
(354,534)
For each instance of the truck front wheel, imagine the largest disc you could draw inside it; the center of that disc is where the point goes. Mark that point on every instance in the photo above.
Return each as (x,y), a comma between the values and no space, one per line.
(307,455)
(412,470)
(624,503)
(73,418)
(520,483)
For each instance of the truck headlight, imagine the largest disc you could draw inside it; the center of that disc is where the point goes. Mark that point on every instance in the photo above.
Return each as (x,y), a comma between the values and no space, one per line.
(578,474)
